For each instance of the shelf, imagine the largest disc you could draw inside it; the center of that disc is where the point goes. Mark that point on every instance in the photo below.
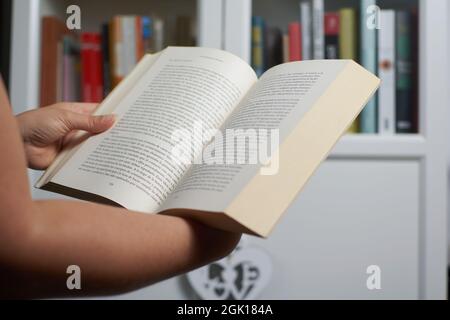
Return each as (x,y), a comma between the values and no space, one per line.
(376,146)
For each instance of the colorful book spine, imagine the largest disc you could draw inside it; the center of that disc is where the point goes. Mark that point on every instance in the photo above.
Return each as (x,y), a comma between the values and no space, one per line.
(306,23)
(147,34)
(295,41)
(404,81)
(258,45)
(97,70)
(139,37)
(87,67)
(347,44)
(53,31)
(273,47)
(318,10)
(386,71)
(368,118)
(331,35)
(91,60)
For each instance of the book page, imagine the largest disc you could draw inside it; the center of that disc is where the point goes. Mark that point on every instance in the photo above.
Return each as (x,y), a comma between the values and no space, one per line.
(271,110)
(134,163)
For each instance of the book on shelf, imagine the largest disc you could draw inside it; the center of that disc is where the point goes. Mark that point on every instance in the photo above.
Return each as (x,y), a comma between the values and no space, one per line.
(306,22)
(274,47)
(53,33)
(141,165)
(352,33)
(348,44)
(258,30)
(386,71)
(295,41)
(318,8)
(92,67)
(368,31)
(85,66)
(404,82)
(331,21)
(71,65)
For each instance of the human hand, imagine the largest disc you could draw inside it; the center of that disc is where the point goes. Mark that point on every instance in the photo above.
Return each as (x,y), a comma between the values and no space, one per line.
(45,131)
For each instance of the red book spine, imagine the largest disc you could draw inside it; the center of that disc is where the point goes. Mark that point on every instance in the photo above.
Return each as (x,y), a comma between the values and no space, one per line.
(92,70)
(331,24)
(86,67)
(97,68)
(295,41)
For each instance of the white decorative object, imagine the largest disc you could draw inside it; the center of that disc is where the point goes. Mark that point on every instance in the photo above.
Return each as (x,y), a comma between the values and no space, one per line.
(240,276)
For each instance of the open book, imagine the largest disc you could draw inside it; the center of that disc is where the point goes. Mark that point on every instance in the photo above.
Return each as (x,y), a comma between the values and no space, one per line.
(198,135)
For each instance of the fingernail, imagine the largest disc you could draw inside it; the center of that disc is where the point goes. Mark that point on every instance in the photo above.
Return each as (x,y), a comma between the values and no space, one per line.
(109,118)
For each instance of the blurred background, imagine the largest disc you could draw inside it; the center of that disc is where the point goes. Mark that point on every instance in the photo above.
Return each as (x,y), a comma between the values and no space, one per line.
(376,208)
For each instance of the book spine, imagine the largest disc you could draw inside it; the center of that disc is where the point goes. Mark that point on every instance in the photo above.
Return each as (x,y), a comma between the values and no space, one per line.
(331,36)
(87,67)
(158,34)
(415,72)
(273,47)
(295,41)
(92,71)
(258,45)
(368,118)
(53,31)
(139,39)
(347,44)
(60,72)
(285,48)
(106,60)
(67,72)
(97,68)
(386,68)
(116,51)
(70,66)
(306,23)
(404,113)
(147,34)
(318,29)
(129,43)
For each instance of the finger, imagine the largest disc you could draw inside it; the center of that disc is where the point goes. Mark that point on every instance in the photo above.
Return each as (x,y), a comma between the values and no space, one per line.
(79,107)
(89,123)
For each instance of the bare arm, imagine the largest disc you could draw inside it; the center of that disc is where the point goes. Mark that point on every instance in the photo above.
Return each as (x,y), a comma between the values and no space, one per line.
(117,250)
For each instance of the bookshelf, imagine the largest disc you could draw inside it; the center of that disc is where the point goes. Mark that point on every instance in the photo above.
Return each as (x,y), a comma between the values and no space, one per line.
(409,167)
(426,149)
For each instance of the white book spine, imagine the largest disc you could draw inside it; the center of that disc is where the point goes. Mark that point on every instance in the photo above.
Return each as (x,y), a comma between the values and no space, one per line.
(306,22)
(129,43)
(158,34)
(318,29)
(386,70)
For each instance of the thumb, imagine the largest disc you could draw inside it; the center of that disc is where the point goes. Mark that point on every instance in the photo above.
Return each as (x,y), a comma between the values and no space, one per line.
(90,123)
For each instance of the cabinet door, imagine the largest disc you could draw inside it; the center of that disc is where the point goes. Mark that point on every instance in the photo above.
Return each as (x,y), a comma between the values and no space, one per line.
(340,225)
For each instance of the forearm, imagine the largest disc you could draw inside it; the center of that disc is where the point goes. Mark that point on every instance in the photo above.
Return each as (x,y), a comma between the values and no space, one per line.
(117,250)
